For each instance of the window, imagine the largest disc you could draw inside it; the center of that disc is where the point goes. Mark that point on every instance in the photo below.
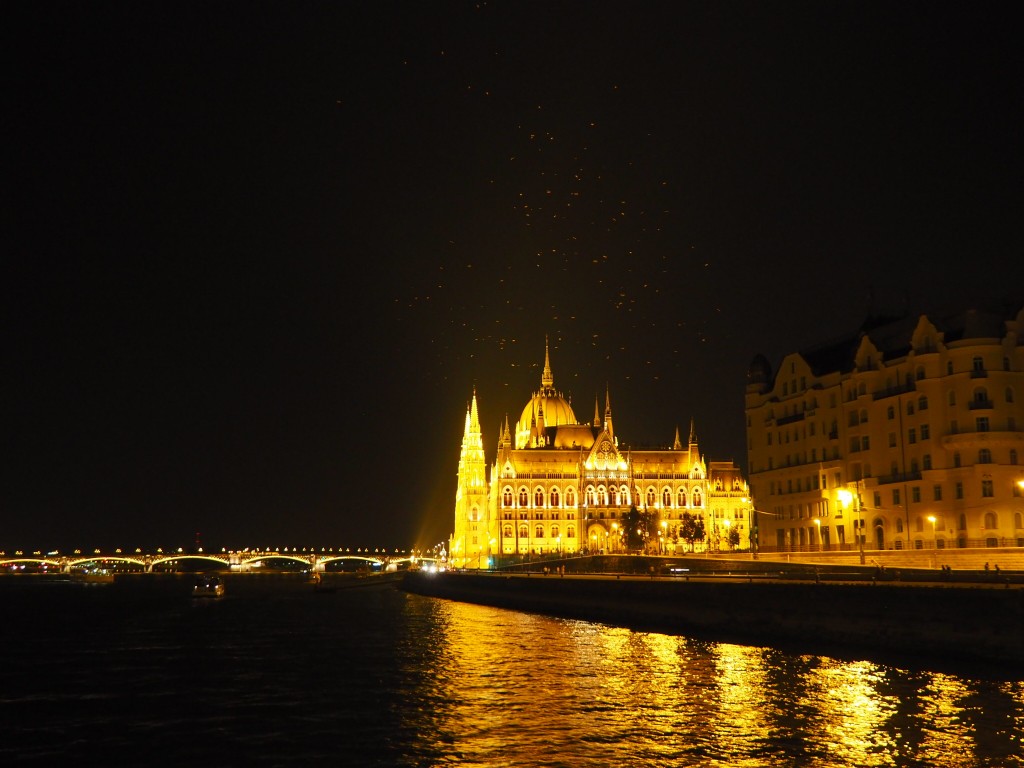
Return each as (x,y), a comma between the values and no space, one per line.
(892,439)
(912,436)
(919,373)
(540,532)
(538,497)
(959,489)
(851,420)
(981,424)
(890,412)
(524,499)
(952,398)
(926,461)
(896,497)
(865,443)
(949,368)
(956,458)
(878,499)
(1009,394)
(962,522)
(570,498)
(863,417)
(554,531)
(986,489)
(570,532)
(506,498)
(977,364)
(922,403)
(899,525)
(910,409)
(554,497)
(984,456)
(666,498)
(926,432)
(936,492)
(915,495)
(1013,460)
(990,523)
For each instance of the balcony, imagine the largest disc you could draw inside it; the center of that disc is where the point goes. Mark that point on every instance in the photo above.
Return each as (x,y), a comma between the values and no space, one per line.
(902,389)
(979,373)
(790,419)
(900,477)
(980,405)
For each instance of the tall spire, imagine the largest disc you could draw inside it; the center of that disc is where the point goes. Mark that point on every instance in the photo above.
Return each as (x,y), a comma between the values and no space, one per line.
(693,432)
(547,381)
(608,410)
(597,412)
(474,419)
(676,445)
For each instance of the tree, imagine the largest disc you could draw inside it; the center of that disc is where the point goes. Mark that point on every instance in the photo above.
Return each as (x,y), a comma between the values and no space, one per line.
(691,530)
(732,538)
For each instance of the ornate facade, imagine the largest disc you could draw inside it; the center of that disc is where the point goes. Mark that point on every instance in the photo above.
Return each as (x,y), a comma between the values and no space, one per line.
(561,486)
(908,433)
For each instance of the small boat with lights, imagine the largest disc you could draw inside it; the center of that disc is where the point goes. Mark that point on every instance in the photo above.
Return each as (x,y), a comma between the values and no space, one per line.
(208,586)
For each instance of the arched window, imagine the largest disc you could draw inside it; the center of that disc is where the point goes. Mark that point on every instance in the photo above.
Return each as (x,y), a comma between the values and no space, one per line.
(570,497)
(602,494)
(570,532)
(666,498)
(524,532)
(554,531)
(540,532)
(624,496)
(697,501)
(524,499)
(918,524)
(615,496)
(899,525)
(682,498)
(553,497)
(507,531)
(984,456)
(538,497)
(506,497)
(650,497)
(591,498)
(990,521)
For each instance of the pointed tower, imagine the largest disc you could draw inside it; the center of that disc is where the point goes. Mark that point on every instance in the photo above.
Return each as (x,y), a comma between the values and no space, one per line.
(470,543)
(676,445)
(608,412)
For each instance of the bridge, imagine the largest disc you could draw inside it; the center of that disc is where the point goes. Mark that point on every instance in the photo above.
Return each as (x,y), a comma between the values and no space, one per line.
(244,561)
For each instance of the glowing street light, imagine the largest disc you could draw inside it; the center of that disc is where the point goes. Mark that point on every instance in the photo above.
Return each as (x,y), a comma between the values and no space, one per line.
(935,543)
(817,523)
(846,498)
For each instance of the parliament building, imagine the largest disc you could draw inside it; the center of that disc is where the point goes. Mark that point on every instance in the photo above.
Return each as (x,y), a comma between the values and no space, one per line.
(561,486)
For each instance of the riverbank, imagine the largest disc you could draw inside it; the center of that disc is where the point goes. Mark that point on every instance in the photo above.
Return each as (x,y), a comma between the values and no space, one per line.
(966,623)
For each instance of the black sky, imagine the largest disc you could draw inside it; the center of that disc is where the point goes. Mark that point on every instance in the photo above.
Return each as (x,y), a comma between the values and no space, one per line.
(258,255)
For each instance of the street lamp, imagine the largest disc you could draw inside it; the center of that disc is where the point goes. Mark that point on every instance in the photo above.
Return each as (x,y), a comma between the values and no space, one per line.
(817,522)
(847,498)
(935,542)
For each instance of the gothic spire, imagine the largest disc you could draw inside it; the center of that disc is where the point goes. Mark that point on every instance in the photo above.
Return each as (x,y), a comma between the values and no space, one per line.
(547,381)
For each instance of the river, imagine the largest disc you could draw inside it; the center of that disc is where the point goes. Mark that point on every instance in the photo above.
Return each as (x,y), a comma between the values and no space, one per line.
(379,677)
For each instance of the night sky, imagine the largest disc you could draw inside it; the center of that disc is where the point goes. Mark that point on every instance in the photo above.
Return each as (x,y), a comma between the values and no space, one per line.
(258,255)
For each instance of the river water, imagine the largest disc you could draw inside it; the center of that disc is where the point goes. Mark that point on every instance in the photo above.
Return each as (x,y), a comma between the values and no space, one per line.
(379,677)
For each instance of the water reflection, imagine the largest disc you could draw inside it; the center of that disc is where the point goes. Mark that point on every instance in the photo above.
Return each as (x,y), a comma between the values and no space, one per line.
(498,687)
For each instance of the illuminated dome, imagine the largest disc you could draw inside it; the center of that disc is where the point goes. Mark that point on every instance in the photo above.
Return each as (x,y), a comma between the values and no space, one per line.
(547,408)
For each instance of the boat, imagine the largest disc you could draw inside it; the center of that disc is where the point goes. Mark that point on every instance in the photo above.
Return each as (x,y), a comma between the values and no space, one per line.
(208,586)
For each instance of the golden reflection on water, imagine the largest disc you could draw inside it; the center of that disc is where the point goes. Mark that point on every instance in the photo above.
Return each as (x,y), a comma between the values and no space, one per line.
(511,688)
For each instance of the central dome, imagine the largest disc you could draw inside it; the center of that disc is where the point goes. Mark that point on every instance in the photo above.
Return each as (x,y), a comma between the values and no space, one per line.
(547,408)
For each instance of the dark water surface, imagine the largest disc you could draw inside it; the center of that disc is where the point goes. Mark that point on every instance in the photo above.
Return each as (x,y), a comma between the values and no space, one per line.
(379,677)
